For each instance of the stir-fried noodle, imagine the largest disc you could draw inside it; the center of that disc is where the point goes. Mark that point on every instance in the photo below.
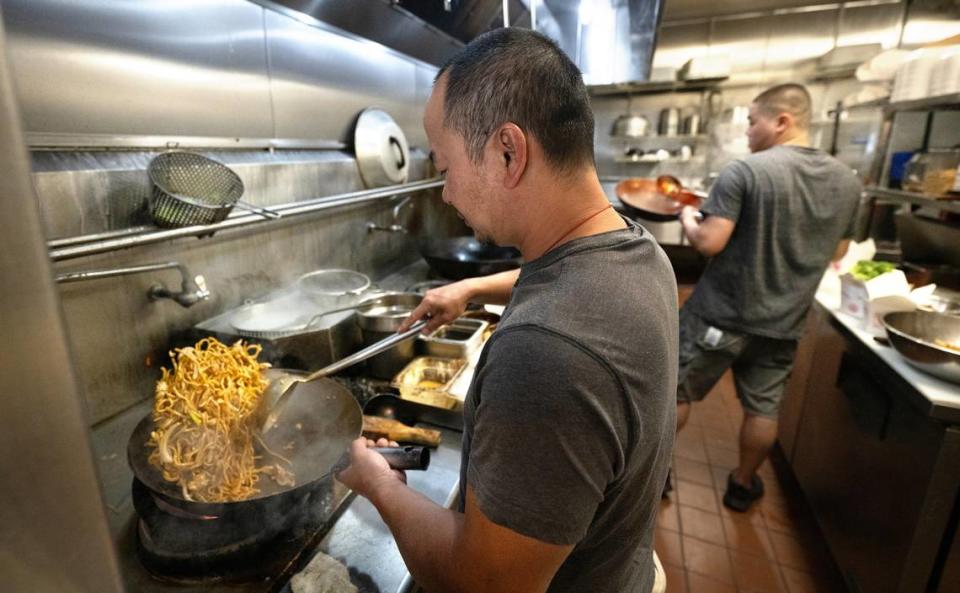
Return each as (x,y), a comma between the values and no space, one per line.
(948,345)
(205,425)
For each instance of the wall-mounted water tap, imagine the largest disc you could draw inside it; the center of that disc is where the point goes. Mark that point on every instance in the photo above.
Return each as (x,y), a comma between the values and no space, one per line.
(193,289)
(395,226)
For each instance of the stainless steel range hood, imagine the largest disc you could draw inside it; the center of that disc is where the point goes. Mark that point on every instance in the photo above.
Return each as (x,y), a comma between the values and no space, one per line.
(612,41)
(382,21)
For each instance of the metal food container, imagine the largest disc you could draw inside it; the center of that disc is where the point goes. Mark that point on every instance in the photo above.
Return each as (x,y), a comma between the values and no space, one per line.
(427,379)
(381,320)
(455,340)
(491,318)
(928,341)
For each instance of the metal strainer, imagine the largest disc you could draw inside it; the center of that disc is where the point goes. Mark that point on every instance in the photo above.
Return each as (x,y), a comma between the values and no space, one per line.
(191,189)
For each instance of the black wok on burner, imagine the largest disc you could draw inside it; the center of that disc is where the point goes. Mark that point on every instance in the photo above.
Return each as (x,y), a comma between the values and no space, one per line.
(465,257)
(315,429)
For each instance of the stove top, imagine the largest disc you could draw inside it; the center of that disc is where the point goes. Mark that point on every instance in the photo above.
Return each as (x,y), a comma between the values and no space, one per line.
(246,551)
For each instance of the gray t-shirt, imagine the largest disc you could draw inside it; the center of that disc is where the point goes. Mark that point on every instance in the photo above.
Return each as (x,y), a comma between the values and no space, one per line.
(792,206)
(570,419)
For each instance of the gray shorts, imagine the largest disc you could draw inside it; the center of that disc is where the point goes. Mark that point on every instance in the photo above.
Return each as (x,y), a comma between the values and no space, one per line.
(760,365)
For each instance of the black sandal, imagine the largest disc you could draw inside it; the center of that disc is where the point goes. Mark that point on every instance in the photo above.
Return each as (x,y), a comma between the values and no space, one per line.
(739,498)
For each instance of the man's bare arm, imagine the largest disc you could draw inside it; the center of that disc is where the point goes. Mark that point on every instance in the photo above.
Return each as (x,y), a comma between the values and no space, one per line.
(448,551)
(446,303)
(841,250)
(707,235)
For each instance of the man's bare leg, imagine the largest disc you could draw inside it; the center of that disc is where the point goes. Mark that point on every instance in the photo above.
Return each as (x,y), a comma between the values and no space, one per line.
(757,437)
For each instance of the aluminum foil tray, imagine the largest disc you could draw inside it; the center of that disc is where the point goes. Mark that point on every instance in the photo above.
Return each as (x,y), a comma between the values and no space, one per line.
(427,380)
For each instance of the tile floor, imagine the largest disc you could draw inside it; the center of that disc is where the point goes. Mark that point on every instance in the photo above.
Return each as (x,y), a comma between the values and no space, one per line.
(775,547)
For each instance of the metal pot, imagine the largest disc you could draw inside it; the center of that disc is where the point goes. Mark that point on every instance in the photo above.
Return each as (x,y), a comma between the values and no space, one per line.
(669,122)
(691,124)
(383,155)
(381,320)
(630,126)
(466,257)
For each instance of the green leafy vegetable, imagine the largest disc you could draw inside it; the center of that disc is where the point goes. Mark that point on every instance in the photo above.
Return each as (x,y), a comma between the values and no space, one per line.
(868,270)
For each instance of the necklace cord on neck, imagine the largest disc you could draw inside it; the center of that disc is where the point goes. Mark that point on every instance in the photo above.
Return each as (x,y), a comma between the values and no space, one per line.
(578,225)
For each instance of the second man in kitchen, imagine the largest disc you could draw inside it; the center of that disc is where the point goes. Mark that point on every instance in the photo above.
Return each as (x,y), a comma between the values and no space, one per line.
(570,419)
(772,223)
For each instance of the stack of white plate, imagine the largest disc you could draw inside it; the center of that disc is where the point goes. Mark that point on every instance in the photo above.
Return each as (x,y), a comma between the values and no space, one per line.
(914,75)
(945,76)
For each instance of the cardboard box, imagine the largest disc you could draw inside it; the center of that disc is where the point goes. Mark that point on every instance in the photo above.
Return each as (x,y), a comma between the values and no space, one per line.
(867,300)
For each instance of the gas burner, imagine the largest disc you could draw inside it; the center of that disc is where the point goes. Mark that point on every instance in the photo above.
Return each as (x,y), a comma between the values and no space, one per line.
(247,543)
(364,388)
(423,287)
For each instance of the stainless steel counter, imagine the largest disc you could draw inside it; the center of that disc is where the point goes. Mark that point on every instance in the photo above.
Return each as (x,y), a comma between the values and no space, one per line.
(875,447)
(361,540)
(939,398)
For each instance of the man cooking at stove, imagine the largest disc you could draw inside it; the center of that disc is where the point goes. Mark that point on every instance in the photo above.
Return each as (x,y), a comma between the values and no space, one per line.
(772,223)
(569,421)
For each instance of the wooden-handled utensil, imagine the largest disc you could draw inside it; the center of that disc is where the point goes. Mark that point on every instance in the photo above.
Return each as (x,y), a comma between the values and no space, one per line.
(376,427)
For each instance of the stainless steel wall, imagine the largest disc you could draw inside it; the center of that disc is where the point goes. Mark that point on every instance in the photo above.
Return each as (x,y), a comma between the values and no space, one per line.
(766,49)
(197,73)
(224,73)
(120,337)
(53,535)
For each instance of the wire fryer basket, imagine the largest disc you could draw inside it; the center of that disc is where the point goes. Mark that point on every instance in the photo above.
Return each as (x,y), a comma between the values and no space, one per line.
(191,189)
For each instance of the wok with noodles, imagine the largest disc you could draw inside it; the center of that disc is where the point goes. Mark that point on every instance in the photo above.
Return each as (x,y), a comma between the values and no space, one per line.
(205,427)
(200,448)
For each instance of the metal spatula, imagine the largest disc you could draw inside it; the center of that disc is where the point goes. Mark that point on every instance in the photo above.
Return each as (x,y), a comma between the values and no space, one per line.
(277,394)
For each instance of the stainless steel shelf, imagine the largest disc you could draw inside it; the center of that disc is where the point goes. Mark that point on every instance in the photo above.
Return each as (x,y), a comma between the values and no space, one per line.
(951,101)
(678,138)
(650,88)
(884,102)
(945,204)
(63,249)
(643,159)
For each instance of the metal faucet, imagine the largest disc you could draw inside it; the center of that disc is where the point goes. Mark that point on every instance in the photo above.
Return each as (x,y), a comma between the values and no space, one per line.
(193,289)
(395,226)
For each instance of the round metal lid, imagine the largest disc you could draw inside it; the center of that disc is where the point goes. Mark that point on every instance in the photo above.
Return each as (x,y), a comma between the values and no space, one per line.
(381,149)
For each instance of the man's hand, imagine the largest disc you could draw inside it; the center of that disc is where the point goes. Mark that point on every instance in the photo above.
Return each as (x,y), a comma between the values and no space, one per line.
(368,470)
(441,305)
(707,235)
(690,215)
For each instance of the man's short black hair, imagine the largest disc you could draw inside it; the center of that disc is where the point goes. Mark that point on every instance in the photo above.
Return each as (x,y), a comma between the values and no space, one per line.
(789,98)
(519,76)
